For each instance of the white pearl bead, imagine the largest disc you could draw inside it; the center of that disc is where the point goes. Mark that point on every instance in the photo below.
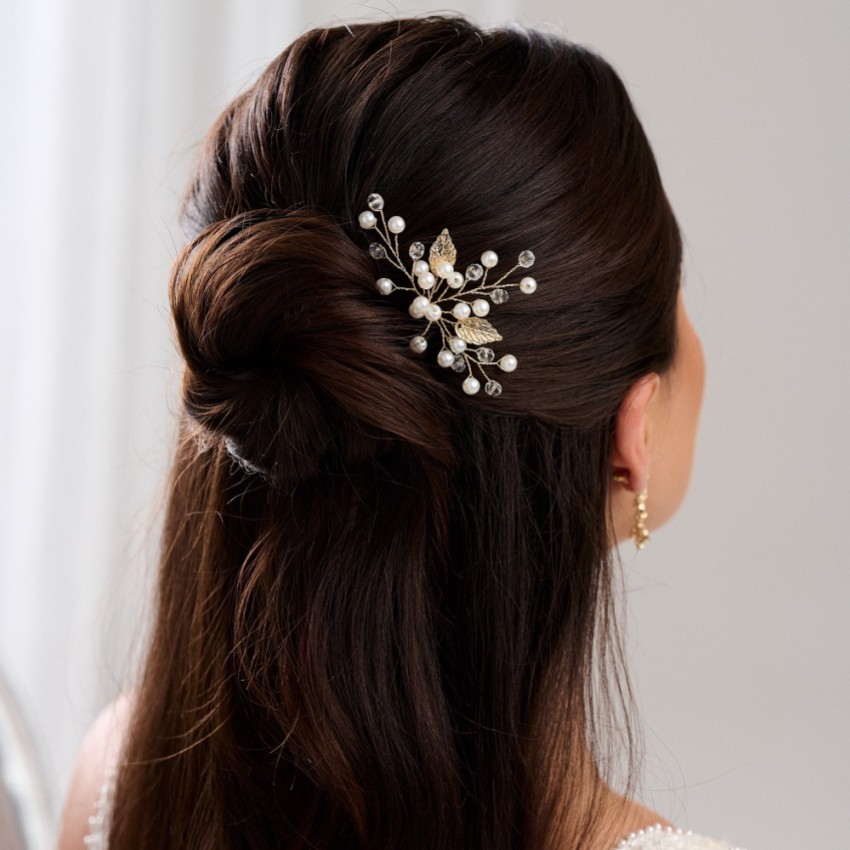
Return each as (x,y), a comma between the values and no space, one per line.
(457,344)
(385,285)
(528,285)
(471,385)
(480,307)
(433,312)
(367,219)
(508,363)
(396,224)
(418,306)
(489,259)
(427,280)
(456,280)
(421,267)
(461,311)
(445,270)
(445,358)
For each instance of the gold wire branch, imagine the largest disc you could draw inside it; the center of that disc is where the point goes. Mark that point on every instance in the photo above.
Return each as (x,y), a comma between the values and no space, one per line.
(436,282)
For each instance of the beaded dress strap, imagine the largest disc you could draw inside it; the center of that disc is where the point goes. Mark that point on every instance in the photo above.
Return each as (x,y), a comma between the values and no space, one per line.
(660,837)
(99,820)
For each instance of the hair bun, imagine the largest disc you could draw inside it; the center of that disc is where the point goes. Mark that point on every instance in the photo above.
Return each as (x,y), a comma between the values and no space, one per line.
(283,341)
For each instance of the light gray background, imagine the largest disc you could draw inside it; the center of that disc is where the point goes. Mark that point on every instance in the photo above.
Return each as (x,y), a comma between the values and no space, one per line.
(738,621)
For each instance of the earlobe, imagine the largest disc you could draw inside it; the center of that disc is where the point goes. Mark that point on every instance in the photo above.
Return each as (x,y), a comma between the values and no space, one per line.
(631,454)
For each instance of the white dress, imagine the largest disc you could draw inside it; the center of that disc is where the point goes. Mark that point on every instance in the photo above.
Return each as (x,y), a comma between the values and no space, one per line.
(652,838)
(666,838)
(99,821)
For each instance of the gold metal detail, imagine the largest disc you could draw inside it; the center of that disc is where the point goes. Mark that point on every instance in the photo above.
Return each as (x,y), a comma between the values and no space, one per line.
(476,330)
(442,251)
(639,530)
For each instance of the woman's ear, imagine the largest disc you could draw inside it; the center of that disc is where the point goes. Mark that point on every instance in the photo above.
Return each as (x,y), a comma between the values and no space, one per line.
(631,454)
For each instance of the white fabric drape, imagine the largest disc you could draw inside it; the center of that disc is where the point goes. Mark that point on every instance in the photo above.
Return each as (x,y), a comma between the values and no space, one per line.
(104,103)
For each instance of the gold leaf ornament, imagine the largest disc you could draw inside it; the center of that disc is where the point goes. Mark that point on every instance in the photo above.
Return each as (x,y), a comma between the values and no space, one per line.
(476,330)
(442,251)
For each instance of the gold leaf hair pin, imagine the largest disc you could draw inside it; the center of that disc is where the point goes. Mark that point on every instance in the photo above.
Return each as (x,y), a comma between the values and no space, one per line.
(440,296)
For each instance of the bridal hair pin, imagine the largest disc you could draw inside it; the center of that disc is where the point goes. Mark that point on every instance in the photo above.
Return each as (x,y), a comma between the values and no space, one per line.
(436,285)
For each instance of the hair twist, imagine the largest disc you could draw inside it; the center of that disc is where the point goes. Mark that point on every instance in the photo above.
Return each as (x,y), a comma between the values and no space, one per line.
(289,355)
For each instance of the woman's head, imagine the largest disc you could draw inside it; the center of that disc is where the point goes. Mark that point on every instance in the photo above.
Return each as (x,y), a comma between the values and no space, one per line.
(510,139)
(388,611)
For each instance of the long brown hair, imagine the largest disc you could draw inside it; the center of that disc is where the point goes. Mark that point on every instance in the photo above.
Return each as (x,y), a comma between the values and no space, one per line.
(382,602)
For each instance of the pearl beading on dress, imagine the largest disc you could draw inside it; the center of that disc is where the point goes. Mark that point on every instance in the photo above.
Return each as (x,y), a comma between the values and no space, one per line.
(655,837)
(99,821)
(660,837)
(435,282)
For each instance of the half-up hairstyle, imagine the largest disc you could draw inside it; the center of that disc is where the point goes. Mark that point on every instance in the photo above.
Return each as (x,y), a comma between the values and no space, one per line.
(382,603)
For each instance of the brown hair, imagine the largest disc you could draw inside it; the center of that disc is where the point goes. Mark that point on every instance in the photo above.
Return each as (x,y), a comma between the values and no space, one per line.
(382,601)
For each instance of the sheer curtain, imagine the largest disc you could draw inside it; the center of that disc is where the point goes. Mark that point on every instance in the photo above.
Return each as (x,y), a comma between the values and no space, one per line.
(104,103)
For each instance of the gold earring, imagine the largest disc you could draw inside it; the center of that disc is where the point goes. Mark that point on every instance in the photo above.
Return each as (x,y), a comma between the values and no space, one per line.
(639,530)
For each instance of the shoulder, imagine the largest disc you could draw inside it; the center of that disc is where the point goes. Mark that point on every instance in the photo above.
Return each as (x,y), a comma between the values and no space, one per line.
(620,816)
(640,828)
(660,837)
(96,761)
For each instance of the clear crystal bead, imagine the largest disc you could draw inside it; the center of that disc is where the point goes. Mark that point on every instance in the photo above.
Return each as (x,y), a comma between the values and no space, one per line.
(485,355)
(417,249)
(419,344)
(526,259)
(460,363)
(499,296)
(493,388)
(375,202)
(377,251)
(474,272)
